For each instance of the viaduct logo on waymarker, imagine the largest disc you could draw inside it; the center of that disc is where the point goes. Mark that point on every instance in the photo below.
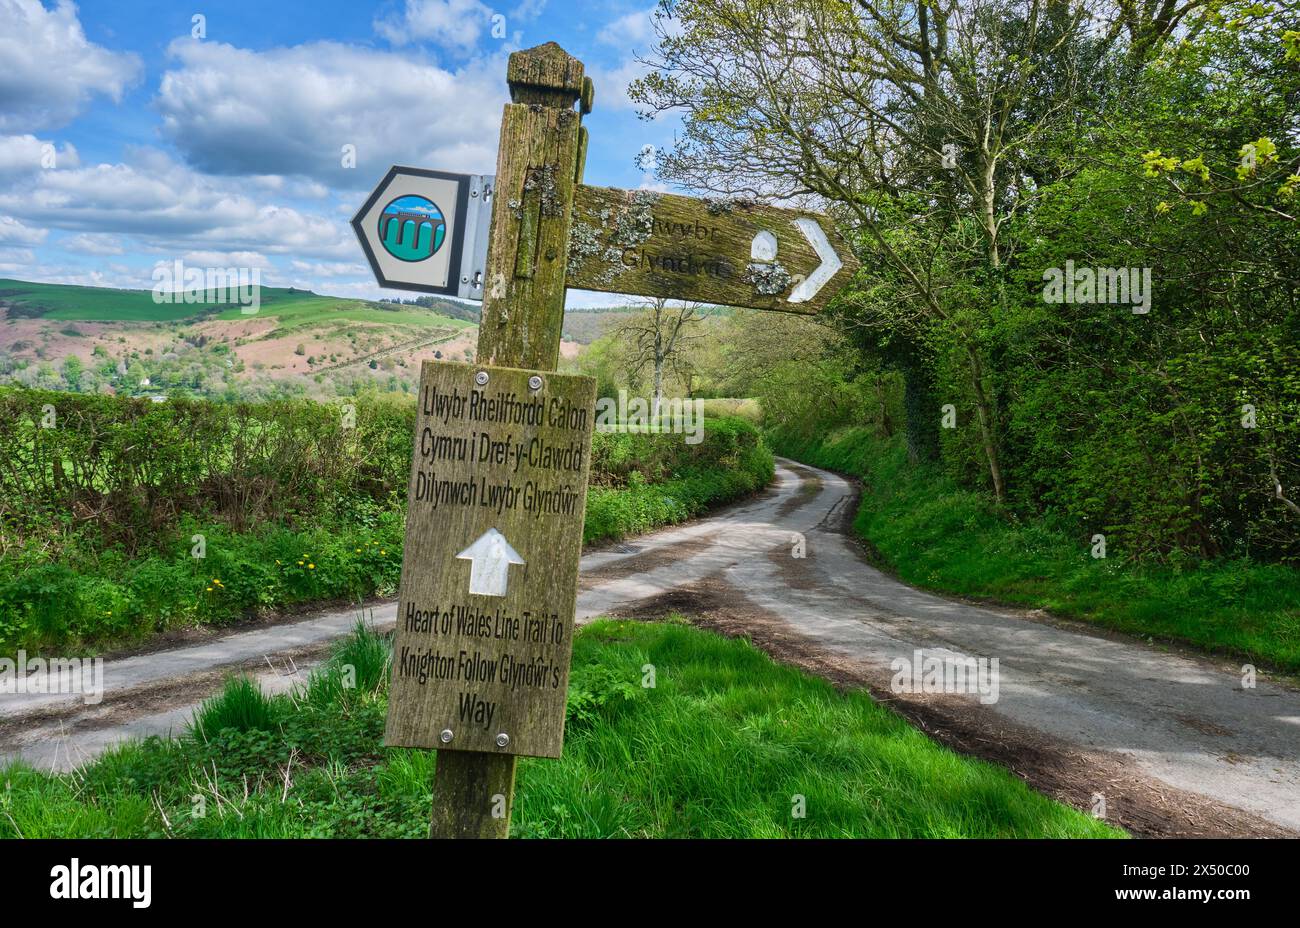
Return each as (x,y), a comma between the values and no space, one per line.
(412,228)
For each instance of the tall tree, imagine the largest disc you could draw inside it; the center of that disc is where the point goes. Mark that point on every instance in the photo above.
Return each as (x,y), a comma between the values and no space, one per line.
(917,123)
(658,338)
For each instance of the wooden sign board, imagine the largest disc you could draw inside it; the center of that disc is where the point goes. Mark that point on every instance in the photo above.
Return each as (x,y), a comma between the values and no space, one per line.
(490,565)
(728,252)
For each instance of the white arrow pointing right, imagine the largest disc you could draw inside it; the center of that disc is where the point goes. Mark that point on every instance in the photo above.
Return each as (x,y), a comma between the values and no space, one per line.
(830,266)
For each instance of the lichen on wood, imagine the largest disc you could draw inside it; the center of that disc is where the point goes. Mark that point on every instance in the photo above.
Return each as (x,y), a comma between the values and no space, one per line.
(541,180)
(627,226)
(768,279)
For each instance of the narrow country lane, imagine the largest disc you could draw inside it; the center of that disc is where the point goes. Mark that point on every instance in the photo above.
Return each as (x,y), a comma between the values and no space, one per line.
(1160,742)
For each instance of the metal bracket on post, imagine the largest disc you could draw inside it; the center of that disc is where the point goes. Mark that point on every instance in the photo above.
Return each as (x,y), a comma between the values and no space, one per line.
(478,223)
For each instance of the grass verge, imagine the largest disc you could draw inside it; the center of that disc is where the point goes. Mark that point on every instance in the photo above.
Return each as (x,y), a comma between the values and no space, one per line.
(724,745)
(937,535)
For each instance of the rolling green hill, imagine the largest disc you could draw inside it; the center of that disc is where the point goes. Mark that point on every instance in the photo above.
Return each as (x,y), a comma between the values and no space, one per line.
(66,302)
(98,339)
(304,308)
(24,299)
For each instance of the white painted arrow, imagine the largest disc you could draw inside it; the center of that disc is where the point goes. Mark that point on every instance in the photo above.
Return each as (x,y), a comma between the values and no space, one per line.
(490,557)
(830,266)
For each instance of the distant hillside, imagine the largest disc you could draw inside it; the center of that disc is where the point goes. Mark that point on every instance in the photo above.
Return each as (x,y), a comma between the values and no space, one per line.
(584,326)
(470,312)
(23,299)
(98,339)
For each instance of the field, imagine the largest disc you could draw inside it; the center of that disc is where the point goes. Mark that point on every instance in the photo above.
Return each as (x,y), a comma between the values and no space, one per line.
(725,744)
(298,343)
(310,309)
(65,302)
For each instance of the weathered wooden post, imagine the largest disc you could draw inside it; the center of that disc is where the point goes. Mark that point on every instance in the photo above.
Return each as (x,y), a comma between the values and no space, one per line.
(523,312)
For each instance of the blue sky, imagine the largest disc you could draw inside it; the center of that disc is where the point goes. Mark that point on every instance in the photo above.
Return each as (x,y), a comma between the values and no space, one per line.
(125,140)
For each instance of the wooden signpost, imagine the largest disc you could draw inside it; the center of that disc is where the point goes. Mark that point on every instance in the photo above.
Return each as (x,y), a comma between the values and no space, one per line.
(726,252)
(503,446)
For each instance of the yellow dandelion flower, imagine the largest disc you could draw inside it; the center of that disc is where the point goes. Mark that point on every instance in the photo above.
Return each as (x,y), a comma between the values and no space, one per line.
(311,566)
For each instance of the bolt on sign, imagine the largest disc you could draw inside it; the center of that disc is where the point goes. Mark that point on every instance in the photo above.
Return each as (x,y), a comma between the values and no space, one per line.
(493,533)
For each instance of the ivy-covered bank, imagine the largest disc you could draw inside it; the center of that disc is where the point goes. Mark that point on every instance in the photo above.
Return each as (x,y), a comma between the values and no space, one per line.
(938,535)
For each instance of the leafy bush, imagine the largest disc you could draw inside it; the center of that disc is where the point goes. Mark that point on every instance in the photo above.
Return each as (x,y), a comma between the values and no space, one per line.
(126,472)
(730,463)
(296,509)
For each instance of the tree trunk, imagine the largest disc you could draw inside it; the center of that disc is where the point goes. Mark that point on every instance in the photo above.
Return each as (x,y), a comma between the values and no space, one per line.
(984,412)
(658,390)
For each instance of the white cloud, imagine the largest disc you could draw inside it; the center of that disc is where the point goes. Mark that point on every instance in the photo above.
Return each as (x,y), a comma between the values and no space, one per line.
(290,111)
(612,83)
(15,259)
(50,69)
(455,24)
(89,243)
(248,259)
(528,9)
(171,208)
(13,232)
(633,31)
(122,278)
(356,289)
(588,299)
(329,269)
(26,154)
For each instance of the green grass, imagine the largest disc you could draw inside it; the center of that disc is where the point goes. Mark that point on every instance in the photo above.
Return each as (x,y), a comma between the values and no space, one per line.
(692,489)
(104,304)
(316,310)
(65,301)
(935,534)
(292,308)
(242,706)
(720,747)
